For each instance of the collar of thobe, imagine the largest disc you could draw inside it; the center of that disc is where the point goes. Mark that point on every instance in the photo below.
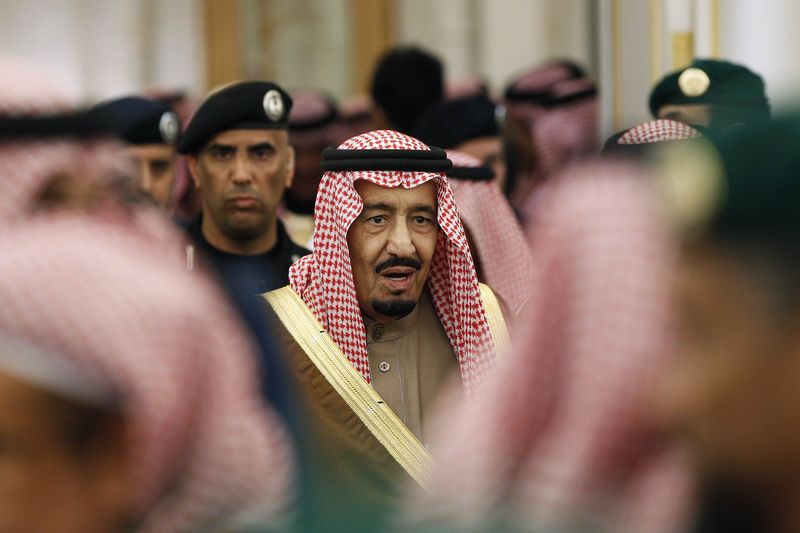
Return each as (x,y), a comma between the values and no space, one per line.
(377,331)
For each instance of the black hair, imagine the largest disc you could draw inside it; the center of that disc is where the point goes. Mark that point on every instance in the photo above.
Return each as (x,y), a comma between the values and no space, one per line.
(407,82)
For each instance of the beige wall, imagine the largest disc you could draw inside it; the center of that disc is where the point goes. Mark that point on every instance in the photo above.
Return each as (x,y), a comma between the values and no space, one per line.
(102,48)
(497,38)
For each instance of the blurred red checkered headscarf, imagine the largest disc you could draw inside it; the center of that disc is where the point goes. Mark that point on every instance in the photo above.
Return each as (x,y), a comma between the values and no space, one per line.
(324,279)
(26,165)
(557,103)
(559,439)
(204,450)
(505,258)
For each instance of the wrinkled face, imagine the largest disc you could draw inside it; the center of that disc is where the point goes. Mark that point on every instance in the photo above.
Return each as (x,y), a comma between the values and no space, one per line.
(51,479)
(242,175)
(732,389)
(391,246)
(490,151)
(155,176)
(692,114)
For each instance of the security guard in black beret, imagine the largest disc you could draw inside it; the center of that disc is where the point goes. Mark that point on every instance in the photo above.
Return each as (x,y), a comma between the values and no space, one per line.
(151,129)
(711,93)
(239,157)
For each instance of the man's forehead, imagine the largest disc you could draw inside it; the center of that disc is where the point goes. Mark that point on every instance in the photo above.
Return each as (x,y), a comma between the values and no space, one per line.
(246,136)
(372,193)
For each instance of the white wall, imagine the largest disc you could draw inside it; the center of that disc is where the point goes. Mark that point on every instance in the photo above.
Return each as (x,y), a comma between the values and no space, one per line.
(104,48)
(497,38)
(765,36)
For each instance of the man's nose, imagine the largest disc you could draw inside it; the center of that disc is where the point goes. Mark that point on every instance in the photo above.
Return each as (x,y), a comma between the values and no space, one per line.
(145,181)
(400,243)
(241,171)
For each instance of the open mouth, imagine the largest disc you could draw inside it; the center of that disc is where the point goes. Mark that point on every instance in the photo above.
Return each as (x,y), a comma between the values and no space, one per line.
(399,278)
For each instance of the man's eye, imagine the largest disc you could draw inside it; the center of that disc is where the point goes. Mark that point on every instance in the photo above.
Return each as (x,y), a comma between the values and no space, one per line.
(379,219)
(159,167)
(221,153)
(422,220)
(262,152)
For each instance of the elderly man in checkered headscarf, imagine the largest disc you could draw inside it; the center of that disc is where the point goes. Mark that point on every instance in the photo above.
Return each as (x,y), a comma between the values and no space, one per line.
(384,311)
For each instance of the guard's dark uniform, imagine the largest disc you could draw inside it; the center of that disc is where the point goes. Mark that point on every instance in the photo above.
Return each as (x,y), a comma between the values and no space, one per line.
(263,272)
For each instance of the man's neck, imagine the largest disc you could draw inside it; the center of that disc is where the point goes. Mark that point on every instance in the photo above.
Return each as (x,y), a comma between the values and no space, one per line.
(258,245)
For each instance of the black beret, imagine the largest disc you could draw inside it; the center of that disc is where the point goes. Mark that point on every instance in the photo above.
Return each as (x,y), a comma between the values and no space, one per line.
(709,81)
(452,123)
(76,124)
(139,120)
(246,105)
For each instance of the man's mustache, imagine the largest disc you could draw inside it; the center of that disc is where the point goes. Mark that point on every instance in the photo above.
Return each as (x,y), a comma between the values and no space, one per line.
(398,262)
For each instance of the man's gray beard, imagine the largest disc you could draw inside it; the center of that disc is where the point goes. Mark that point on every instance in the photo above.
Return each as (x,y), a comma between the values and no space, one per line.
(393,308)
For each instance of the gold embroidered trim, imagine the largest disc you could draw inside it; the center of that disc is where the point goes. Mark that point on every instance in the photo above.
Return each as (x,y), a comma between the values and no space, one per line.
(497,324)
(359,395)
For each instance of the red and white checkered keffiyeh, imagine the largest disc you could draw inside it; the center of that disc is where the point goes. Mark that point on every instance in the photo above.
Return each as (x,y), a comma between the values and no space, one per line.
(26,166)
(559,437)
(561,134)
(355,117)
(659,130)
(309,107)
(203,447)
(324,279)
(501,244)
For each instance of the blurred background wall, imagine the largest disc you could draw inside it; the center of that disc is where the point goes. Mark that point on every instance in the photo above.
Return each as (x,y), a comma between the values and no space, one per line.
(104,48)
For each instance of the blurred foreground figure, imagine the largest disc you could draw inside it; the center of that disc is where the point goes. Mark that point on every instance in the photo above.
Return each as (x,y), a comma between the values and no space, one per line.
(498,244)
(128,391)
(385,310)
(51,155)
(711,93)
(733,393)
(639,141)
(552,119)
(313,126)
(150,129)
(560,439)
(237,147)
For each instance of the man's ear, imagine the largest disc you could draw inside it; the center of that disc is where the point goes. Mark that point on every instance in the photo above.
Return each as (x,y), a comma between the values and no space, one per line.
(191,161)
(289,166)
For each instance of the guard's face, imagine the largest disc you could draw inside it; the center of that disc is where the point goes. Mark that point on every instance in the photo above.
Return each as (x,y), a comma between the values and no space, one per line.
(53,476)
(692,114)
(391,246)
(155,175)
(242,175)
(731,390)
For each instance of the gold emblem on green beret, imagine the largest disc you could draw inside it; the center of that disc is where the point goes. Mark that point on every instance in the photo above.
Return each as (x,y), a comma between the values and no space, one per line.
(690,180)
(694,82)
(273,105)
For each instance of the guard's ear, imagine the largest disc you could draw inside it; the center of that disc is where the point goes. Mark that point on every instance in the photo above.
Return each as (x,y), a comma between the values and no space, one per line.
(289,166)
(191,161)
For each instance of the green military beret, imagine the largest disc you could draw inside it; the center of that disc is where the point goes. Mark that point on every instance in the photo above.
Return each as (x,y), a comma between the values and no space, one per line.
(742,183)
(246,105)
(714,82)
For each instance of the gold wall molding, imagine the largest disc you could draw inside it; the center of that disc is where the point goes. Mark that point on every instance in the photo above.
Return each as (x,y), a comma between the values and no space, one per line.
(373,33)
(223,52)
(682,49)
